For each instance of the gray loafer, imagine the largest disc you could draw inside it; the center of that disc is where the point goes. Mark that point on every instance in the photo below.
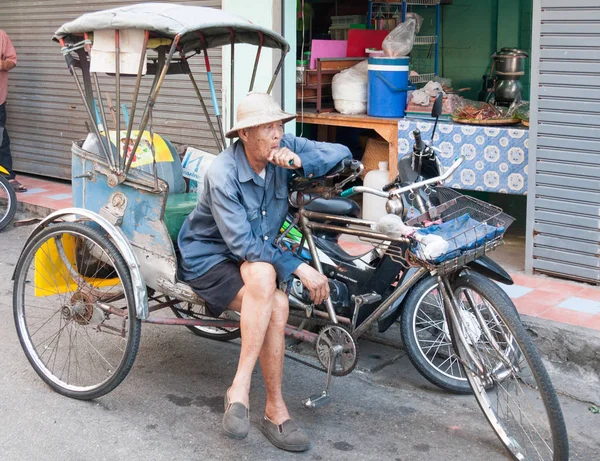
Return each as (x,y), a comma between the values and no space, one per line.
(236,420)
(287,436)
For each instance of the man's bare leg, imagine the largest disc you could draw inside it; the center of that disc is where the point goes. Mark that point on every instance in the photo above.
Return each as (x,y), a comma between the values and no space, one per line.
(255,302)
(271,360)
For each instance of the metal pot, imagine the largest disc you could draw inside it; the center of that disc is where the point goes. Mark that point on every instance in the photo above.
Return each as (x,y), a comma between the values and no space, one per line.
(510,61)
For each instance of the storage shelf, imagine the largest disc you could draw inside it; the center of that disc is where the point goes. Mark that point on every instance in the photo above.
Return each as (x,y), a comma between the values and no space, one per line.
(423,2)
(411,2)
(425,40)
(422,78)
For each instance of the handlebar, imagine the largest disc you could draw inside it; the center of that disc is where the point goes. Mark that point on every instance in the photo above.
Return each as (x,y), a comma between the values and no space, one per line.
(419,144)
(411,187)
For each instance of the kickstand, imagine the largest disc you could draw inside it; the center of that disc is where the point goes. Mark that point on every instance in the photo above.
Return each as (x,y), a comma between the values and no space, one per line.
(317,401)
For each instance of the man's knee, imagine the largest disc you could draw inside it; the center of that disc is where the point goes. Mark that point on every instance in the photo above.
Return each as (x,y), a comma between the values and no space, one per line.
(259,275)
(280,309)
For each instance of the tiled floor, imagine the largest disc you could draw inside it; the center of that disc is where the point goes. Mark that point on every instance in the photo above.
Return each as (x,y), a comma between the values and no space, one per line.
(539,296)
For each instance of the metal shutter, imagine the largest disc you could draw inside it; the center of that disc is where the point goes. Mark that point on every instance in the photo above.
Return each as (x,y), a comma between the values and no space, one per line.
(45,112)
(566,139)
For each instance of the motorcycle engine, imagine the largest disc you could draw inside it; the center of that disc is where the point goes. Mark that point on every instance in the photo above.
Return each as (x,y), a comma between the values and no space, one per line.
(338,291)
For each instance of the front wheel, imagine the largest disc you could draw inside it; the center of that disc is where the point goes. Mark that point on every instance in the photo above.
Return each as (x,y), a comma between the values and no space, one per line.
(77,326)
(427,340)
(507,375)
(8,202)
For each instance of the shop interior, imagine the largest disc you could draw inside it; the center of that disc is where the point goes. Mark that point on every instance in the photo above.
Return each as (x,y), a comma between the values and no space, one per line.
(367,73)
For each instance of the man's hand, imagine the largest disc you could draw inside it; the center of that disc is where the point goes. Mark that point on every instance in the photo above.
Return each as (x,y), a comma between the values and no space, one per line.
(285,158)
(314,281)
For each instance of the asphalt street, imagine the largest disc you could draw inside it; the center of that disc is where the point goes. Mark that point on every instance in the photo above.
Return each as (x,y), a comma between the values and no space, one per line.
(171,405)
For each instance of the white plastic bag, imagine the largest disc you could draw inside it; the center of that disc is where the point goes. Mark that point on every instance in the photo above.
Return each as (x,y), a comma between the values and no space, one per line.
(195,165)
(349,89)
(416,17)
(400,41)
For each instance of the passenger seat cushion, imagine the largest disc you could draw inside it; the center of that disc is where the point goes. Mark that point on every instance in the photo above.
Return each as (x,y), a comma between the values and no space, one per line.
(178,207)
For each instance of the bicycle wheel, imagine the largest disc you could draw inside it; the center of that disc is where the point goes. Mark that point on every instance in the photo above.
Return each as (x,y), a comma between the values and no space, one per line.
(8,202)
(79,332)
(427,340)
(199,311)
(512,388)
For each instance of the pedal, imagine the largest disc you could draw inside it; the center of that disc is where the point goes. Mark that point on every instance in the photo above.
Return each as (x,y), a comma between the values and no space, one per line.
(317,401)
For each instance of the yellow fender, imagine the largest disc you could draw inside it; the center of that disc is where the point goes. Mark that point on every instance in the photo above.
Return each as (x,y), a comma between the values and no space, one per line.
(3,170)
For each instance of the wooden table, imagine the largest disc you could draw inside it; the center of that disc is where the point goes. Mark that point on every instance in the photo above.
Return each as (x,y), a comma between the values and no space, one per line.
(387,128)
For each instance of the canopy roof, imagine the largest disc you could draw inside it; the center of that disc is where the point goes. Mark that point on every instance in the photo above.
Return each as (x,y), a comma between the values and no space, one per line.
(169,20)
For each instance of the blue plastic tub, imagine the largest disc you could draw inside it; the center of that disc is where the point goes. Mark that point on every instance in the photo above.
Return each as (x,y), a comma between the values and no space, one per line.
(388,85)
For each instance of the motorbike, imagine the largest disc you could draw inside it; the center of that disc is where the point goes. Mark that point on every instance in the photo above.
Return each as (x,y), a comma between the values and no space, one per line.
(8,200)
(90,276)
(358,283)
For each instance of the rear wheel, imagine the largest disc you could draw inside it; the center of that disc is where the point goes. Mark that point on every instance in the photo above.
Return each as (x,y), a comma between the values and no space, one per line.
(513,388)
(8,202)
(79,332)
(199,311)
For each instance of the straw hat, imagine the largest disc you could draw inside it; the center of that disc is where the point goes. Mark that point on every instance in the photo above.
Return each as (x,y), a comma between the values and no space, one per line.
(257,109)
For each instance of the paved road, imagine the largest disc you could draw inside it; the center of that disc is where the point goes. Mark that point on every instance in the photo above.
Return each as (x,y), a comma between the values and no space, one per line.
(170,406)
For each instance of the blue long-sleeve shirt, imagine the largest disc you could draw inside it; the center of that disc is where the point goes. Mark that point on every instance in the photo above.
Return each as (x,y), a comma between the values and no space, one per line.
(239,214)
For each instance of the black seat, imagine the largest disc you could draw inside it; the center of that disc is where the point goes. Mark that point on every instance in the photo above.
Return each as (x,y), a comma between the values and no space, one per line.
(336,206)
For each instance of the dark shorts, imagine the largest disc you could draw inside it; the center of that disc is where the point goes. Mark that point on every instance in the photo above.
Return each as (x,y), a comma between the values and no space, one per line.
(219,286)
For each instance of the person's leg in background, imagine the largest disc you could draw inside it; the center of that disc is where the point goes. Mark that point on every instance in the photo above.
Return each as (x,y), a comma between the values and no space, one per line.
(5,156)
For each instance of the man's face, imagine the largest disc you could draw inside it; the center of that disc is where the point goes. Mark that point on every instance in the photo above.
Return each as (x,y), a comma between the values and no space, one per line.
(263,140)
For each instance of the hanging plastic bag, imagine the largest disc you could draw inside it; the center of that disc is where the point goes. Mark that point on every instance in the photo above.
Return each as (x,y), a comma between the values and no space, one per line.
(416,17)
(349,89)
(400,41)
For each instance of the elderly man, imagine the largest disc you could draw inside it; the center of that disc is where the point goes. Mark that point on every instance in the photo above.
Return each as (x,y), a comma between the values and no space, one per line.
(229,258)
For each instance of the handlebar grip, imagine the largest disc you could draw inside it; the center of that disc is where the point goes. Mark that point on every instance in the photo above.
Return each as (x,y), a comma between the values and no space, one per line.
(419,145)
(389,186)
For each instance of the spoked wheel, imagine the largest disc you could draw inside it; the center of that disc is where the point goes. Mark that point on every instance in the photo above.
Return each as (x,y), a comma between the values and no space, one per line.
(427,339)
(79,332)
(8,202)
(200,311)
(512,387)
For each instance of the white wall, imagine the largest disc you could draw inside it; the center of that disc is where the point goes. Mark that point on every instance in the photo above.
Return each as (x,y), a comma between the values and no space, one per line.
(267,13)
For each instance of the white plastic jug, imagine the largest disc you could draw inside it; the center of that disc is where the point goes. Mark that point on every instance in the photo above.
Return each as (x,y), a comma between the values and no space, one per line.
(374,207)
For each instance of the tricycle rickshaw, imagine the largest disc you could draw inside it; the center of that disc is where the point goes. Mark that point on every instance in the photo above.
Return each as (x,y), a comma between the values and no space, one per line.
(90,275)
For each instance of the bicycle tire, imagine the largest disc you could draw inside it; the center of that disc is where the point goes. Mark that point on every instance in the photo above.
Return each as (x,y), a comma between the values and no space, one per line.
(226,334)
(11,205)
(426,340)
(547,438)
(78,314)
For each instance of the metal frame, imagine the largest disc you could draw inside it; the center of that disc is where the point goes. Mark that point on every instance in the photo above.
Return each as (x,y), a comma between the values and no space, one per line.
(309,221)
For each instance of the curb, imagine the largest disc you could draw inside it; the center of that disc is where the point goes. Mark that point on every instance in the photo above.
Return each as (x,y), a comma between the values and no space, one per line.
(571,354)
(38,210)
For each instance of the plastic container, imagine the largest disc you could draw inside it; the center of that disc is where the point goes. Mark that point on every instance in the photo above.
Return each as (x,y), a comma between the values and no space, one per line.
(388,86)
(300,68)
(339,32)
(374,207)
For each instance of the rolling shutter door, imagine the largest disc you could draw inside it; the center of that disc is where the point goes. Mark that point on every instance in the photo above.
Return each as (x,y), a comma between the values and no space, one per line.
(45,111)
(566,227)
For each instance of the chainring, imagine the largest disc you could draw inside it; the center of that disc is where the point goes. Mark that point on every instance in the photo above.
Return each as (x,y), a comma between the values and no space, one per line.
(333,335)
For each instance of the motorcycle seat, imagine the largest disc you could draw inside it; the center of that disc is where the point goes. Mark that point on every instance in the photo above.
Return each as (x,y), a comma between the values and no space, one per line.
(336,206)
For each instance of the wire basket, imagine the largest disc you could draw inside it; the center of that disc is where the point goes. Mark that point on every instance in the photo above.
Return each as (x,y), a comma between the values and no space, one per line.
(470,226)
